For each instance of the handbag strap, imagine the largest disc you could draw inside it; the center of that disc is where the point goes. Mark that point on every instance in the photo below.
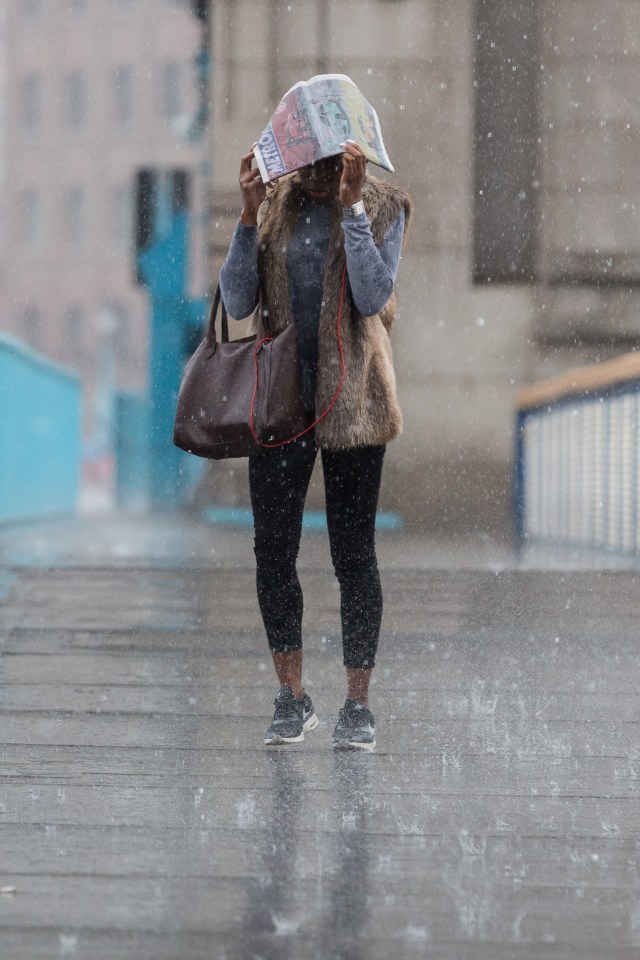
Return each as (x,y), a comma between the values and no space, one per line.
(210,335)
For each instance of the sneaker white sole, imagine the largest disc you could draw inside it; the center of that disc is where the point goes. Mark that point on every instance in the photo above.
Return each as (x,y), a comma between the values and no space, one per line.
(276,739)
(310,723)
(352,745)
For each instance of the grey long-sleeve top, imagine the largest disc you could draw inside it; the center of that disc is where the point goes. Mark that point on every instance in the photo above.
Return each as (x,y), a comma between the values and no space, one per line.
(372,273)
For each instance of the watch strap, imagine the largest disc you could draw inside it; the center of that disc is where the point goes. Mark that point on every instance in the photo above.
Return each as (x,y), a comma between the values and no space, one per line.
(355,210)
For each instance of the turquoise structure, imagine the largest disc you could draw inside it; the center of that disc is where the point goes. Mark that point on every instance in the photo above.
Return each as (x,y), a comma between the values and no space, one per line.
(176,326)
(40,434)
(131,443)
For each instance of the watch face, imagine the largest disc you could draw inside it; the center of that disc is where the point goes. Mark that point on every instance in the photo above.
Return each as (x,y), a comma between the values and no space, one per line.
(355,209)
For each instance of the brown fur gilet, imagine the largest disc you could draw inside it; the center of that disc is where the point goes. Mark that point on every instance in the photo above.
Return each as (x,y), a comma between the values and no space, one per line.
(367,411)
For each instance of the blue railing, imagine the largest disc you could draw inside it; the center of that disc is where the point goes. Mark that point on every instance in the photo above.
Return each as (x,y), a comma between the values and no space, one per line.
(577,463)
(40,434)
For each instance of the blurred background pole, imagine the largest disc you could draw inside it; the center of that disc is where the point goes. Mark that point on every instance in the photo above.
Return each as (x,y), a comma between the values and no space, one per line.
(197,132)
(164,222)
(101,443)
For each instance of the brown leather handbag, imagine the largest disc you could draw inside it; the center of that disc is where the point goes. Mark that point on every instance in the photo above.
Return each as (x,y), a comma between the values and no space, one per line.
(237,396)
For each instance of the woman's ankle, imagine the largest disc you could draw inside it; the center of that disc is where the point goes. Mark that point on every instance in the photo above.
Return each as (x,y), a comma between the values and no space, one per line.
(288,668)
(358,685)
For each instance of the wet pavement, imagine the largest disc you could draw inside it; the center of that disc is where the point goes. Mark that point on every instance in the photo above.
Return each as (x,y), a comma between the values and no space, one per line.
(141,816)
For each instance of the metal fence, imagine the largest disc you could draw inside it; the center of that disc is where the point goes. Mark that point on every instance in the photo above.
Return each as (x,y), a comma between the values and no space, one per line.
(577,459)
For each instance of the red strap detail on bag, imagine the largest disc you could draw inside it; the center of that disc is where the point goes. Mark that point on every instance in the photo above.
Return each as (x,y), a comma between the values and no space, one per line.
(283,443)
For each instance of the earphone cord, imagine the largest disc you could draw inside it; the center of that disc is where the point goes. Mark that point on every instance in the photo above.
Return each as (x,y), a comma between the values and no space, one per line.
(283,443)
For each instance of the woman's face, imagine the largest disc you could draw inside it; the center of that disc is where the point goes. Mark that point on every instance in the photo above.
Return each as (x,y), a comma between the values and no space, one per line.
(321,181)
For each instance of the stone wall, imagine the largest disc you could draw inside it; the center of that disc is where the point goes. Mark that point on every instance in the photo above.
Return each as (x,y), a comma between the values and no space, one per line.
(462,349)
(587,302)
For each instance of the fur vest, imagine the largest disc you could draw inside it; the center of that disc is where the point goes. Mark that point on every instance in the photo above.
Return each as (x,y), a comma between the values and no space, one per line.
(367,411)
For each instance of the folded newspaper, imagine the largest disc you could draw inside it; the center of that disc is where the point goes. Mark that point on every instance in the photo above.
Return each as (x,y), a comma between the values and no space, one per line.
(311,121)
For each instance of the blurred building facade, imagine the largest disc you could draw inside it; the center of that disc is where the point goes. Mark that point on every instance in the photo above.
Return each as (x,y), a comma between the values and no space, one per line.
(94,91)
(514,125)
(3,133)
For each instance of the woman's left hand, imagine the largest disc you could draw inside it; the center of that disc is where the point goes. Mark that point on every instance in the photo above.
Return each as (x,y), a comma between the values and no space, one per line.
(354,166)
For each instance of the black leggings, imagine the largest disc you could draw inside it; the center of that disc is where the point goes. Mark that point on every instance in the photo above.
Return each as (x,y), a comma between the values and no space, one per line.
(278,481)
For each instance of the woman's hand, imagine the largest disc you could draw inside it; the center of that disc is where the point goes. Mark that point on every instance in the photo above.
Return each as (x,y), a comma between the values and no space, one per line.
(253,191)
(354,167)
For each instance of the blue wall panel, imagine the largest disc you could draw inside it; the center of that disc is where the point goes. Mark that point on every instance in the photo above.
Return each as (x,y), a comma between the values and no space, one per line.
(40,433)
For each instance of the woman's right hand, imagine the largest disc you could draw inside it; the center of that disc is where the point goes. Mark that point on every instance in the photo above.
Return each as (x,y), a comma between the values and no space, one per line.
(253,191)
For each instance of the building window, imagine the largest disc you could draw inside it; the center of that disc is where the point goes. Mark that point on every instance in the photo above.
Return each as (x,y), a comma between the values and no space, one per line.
(76,99)
(123,88)
(122,218)
(171,90)
(31,325)
(31,227)
(75,217)
(74,334)
(30,98)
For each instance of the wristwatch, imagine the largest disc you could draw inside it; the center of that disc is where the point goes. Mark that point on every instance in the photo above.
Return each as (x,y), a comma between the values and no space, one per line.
(355,210)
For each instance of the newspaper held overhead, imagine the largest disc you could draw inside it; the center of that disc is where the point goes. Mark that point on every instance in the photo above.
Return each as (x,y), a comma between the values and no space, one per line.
(311,121)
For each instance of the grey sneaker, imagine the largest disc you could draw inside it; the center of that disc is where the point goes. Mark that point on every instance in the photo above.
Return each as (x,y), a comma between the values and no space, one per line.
(355,729)
(291,718)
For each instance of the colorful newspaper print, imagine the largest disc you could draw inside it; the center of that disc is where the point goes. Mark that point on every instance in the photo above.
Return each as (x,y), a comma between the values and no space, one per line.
(312,120)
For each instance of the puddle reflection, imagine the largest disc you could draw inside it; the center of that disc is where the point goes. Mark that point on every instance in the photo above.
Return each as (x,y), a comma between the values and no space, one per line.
(275,900)
(347,892)
(312,880)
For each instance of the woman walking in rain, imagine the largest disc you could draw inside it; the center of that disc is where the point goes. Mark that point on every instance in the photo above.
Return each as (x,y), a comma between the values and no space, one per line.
(292,240)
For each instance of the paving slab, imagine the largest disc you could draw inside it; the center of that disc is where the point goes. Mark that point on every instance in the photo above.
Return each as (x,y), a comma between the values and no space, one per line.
(142,817)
